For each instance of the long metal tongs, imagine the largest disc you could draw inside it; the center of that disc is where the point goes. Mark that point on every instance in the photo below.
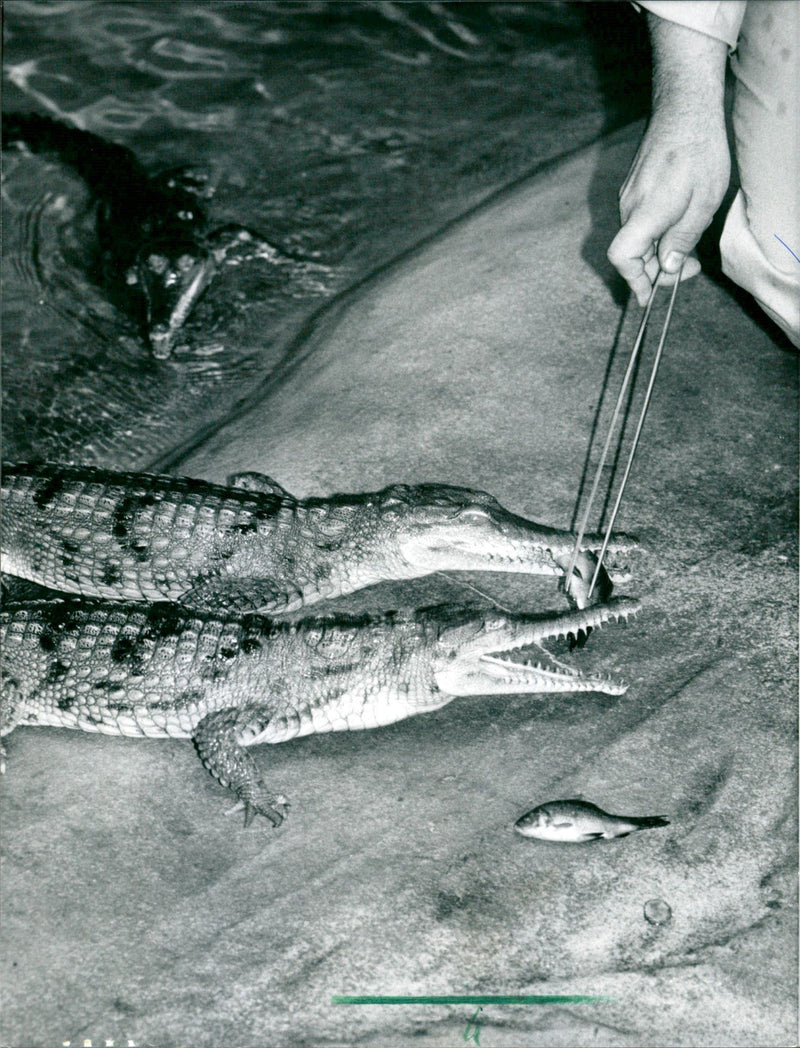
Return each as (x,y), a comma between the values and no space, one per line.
(625,382)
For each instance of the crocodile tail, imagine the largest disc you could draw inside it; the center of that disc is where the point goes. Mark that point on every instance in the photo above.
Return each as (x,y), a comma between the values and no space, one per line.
(107,168)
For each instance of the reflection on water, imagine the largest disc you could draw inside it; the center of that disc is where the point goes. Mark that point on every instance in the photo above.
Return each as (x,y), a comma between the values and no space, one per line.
(342,132)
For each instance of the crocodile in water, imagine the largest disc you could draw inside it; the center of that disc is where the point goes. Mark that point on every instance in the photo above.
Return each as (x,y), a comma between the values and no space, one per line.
(231,681)
(157,251)
(253,546)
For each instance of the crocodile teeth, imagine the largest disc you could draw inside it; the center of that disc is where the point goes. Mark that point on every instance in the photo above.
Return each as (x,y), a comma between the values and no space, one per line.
(578,640)
(555,670)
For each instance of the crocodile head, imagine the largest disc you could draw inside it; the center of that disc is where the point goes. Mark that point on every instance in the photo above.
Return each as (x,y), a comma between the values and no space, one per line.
(153,233)
(507,655)
(171,274)
(438,527)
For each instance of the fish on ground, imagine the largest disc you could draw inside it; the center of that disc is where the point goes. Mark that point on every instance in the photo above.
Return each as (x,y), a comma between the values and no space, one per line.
(579,821)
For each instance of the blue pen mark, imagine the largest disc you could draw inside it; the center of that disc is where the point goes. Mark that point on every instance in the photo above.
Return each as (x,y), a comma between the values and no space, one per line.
(786,246)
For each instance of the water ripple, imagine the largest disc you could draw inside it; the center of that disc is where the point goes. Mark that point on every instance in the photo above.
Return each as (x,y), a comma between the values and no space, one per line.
(339,132)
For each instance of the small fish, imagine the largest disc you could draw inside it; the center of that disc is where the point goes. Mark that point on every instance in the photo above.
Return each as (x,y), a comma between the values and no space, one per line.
(575,821)
(577,585)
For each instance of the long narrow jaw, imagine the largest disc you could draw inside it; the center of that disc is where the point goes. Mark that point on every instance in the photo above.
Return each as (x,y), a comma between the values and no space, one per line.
(172,287)
(455,529)
(505,655)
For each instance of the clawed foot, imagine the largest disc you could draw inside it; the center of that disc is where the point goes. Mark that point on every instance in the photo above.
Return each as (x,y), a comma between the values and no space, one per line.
(219,738)
(261,803)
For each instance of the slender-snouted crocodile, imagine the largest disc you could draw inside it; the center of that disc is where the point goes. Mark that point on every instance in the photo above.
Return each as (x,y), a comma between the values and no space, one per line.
(233,681)
(157,251)
(253,546)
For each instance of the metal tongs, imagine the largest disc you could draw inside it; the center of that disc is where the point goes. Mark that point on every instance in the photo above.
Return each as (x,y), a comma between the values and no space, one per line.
(625,382)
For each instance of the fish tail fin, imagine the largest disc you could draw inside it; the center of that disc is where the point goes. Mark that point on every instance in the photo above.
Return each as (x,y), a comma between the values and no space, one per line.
(644,822)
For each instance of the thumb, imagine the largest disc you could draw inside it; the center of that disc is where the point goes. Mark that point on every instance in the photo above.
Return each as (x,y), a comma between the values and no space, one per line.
(691,267)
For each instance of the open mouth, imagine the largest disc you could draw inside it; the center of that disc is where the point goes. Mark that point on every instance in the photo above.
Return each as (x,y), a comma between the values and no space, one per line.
(536,662)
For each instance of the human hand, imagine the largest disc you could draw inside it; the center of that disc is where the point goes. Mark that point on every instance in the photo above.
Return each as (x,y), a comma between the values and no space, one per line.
(681,169)
(675,185)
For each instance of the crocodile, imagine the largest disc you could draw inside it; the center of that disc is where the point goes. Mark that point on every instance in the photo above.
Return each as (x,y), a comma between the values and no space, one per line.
(231,681)
(157,251)
(254,547)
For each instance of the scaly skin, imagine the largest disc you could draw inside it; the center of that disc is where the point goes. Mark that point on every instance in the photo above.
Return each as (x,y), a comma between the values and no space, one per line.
(252,546)
(231,681)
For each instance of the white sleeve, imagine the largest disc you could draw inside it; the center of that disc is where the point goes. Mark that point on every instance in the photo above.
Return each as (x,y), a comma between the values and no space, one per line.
(721,19)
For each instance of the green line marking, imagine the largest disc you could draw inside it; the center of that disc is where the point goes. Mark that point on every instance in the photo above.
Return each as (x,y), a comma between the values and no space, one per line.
(471,999)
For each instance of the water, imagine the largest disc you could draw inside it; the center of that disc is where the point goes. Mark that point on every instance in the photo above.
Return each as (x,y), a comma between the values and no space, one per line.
(342,132)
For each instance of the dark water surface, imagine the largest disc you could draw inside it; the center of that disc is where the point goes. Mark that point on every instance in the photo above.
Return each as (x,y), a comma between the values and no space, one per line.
(344,132)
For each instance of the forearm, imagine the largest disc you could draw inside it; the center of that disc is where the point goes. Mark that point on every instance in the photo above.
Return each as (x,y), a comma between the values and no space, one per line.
(688,68)
(681,169)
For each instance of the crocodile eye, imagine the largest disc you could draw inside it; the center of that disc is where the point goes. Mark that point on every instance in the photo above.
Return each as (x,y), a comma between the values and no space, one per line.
(494,624)
(441,514)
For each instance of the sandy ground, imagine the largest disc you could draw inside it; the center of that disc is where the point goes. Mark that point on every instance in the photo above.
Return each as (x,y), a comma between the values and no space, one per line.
(135,910)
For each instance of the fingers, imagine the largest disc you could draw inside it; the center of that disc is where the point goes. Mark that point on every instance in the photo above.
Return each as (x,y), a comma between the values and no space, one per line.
(632,252)
(649,241)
